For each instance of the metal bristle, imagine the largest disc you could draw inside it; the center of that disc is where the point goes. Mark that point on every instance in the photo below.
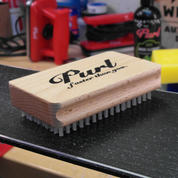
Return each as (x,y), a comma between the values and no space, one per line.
(29,117)
(128,104)
(118,108)
(51,128)
(38,121)
(35,120)
(139,100)
(23,114)
(56,130)
(94,118)
(100,115)
(46,125)
(61,132)
(43,124)
(74,126)
(106,113)
(67,129)
(87,121)
(123,107)
(112,111)
(81,123)
(148,95)
(144,97)
(134,102)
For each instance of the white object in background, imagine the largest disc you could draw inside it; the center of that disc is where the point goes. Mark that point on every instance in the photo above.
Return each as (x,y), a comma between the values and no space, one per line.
(120,6)
(169,25)
(15,13)
(97,8)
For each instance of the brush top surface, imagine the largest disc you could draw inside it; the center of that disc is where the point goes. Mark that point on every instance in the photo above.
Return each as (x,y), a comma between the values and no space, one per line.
(84,78)
(139,141)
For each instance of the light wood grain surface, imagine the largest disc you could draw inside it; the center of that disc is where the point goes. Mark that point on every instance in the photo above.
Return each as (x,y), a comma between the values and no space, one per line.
(25,164)
(24,62)
(82,88)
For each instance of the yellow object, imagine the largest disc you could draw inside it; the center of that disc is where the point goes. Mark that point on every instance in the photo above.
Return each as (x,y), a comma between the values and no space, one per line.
(168,58)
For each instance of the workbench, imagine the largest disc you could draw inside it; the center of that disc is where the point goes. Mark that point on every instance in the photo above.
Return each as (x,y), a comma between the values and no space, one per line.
(139,142)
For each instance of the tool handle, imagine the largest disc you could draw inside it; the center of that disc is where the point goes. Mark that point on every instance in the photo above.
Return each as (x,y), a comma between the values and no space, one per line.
(61,36)
(109,19)
(60,20)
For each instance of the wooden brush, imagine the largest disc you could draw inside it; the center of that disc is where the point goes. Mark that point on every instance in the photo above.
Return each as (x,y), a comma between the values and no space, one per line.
(78,93)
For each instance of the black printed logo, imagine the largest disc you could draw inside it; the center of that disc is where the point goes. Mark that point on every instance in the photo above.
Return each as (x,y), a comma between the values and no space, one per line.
(88,75)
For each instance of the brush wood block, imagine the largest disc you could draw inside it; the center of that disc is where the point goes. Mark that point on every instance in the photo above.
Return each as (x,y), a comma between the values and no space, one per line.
(74,91)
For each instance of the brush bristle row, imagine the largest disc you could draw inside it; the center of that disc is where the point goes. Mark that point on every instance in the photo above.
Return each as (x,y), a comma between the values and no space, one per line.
(91,119)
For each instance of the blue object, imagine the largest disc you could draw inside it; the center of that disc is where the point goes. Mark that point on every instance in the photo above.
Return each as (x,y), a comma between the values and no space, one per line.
(83,4)
(78,4)
(172,87)
(98,4)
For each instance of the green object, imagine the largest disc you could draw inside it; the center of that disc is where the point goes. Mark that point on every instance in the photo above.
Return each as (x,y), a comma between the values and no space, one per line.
(147,58)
